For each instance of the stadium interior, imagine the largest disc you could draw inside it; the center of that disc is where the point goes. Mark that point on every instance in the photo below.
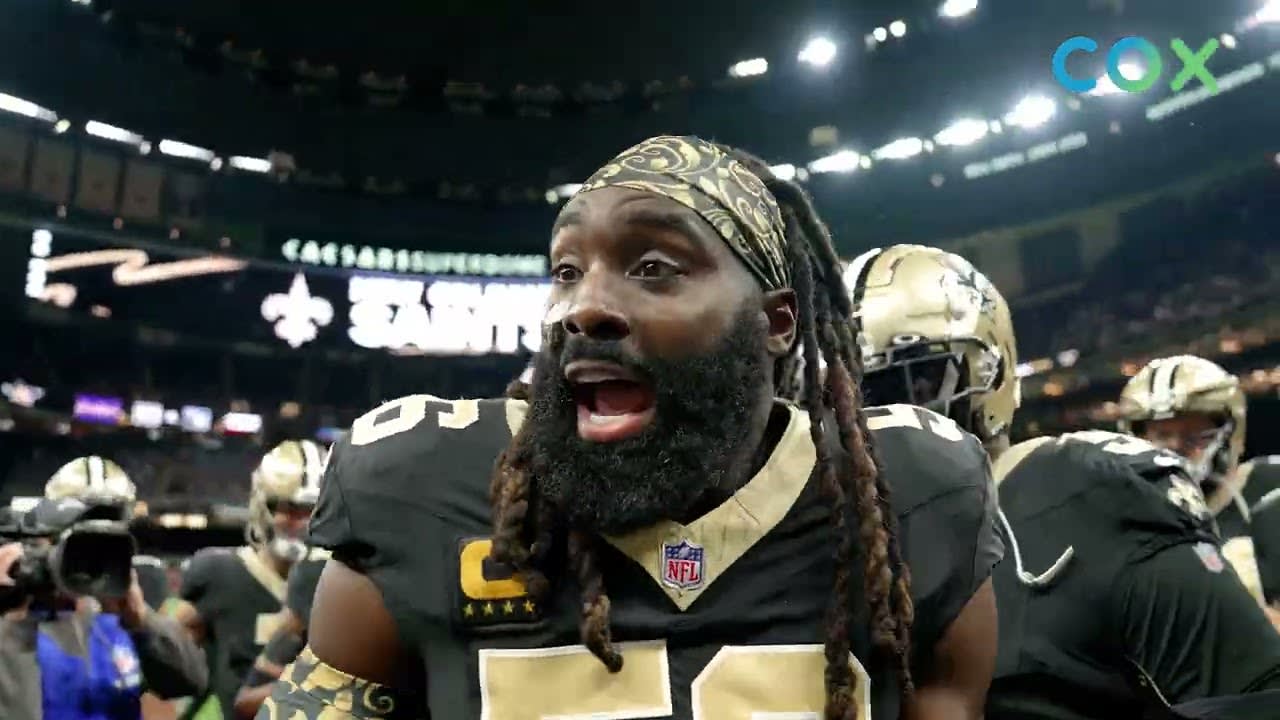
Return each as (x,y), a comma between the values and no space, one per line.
(226,224)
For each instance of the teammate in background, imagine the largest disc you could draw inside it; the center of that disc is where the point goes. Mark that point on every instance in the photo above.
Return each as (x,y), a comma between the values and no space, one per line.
(1116,596)
(289,637)
(232,598)
(1195,408)
(660,536)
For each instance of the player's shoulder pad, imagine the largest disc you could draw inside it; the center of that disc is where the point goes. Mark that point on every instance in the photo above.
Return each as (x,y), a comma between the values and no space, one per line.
(925,455)
(393,447)
(209,559)
(1261,475)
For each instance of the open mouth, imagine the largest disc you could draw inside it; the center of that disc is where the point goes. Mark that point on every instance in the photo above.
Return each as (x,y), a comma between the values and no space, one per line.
(613,404)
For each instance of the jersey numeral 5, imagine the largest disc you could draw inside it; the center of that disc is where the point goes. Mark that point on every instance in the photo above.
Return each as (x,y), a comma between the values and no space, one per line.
(741,682)
(380,423)
(911,416)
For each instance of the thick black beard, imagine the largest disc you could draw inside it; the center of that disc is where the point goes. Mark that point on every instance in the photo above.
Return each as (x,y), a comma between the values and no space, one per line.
(703,416)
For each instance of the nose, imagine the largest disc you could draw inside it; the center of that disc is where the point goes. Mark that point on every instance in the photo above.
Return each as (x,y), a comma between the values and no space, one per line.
(595,314)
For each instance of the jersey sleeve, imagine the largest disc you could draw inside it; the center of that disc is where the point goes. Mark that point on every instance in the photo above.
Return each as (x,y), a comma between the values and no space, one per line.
(1192,628)
(303,579)
(1265,531)
(945,501)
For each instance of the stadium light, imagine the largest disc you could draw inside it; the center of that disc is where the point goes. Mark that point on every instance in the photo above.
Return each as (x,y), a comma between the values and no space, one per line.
(175,148)
(1032,111)
(562,192)
(785,171)
(880,34)
(1129,70)
(749,68)
(111,132)
(62,126)
(1268,13)
(818,52)
(841,162)
(250,164)
(966,131)
(897,28)
(19,106)
(957,8)
(1228,41)
(899,149)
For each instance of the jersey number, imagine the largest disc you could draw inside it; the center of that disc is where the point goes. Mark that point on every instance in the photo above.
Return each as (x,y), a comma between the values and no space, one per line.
(412,409)
(742,682)
(891,416)
(1115,443)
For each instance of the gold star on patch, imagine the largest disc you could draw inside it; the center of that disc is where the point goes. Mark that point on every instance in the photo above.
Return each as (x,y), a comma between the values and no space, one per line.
(488,608)
(528,606)
(508,607)
(468,610)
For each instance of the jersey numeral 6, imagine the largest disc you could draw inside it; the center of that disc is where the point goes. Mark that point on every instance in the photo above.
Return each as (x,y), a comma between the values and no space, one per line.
(742,682)
(380,423)
(911,416)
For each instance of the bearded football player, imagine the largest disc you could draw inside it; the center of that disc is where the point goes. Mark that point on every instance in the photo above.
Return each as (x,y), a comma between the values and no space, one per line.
(659,536)
(231,598)
(1195,408)
(1116,597)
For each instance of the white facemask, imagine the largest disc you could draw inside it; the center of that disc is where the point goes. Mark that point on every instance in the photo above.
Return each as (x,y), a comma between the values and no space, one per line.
(287,549)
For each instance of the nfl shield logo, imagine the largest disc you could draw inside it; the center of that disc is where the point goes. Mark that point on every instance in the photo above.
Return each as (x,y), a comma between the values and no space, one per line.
(682,565)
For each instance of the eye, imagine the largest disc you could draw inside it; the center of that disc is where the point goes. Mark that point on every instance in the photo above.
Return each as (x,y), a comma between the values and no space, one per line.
(565,273)
(655,270)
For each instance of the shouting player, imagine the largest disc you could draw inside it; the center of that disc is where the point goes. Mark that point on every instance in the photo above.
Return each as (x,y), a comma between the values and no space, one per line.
(232,598)
(660,536)
(1195,408)
(1130,602)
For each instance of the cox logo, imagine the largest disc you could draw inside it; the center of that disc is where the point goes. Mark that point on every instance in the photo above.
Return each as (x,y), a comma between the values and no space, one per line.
(1193,64)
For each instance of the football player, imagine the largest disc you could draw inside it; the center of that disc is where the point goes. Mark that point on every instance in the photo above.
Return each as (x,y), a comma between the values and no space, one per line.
(232,597)
(1116,595)
(1195,408)
(289,637)
(660,536)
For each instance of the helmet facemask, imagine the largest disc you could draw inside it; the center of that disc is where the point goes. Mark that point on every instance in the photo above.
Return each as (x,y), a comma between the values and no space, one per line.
(934,375)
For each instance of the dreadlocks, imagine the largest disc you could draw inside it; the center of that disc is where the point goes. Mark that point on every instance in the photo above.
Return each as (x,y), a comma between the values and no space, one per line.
(524,520)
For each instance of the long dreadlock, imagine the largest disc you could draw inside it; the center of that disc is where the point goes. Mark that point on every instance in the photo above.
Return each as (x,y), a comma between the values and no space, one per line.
(857,491)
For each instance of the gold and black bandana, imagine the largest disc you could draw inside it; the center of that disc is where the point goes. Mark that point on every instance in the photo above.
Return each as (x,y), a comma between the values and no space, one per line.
(703,178)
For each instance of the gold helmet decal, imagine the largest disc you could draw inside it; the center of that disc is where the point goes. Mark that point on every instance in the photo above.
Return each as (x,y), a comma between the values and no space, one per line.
(935,332)
(1165,387)
(93,480)
(289,474)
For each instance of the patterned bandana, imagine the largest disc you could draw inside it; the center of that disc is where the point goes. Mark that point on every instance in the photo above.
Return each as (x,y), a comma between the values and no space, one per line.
(703,178)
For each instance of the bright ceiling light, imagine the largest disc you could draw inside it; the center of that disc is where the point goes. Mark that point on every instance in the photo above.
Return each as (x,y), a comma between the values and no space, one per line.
(841,162)
(175,148)
(957,8)
(1032,111)
(899,149)
(26,107)
(1228,41)
(250,164)
(1268,13)
(818,52)
(111,132)
(880,34)
(62,126)
(962,132)
(749,68)
(897,28)
(1129,70)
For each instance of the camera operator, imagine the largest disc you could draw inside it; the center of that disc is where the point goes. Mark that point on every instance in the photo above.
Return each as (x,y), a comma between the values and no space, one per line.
(78,640)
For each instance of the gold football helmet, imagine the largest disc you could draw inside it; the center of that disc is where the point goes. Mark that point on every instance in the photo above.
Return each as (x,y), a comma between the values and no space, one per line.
(1167,387)
(95,481)
(935,332)
(288,475)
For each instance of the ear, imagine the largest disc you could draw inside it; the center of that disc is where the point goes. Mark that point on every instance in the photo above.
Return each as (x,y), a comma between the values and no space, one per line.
(780,309)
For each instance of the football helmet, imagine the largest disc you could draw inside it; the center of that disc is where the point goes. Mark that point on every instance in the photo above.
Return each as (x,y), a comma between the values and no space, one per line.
(290,474)
(935,332)
(99,483)
(1166,387)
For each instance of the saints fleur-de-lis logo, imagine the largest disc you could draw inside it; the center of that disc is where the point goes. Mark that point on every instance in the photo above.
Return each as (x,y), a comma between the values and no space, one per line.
(298,314)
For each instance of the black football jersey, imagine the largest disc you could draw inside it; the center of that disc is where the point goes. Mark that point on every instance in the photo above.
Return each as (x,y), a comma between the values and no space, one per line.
(303,578)
(1140,606)
(1264,477)
(1231,503)
(239,598)
(723,616)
